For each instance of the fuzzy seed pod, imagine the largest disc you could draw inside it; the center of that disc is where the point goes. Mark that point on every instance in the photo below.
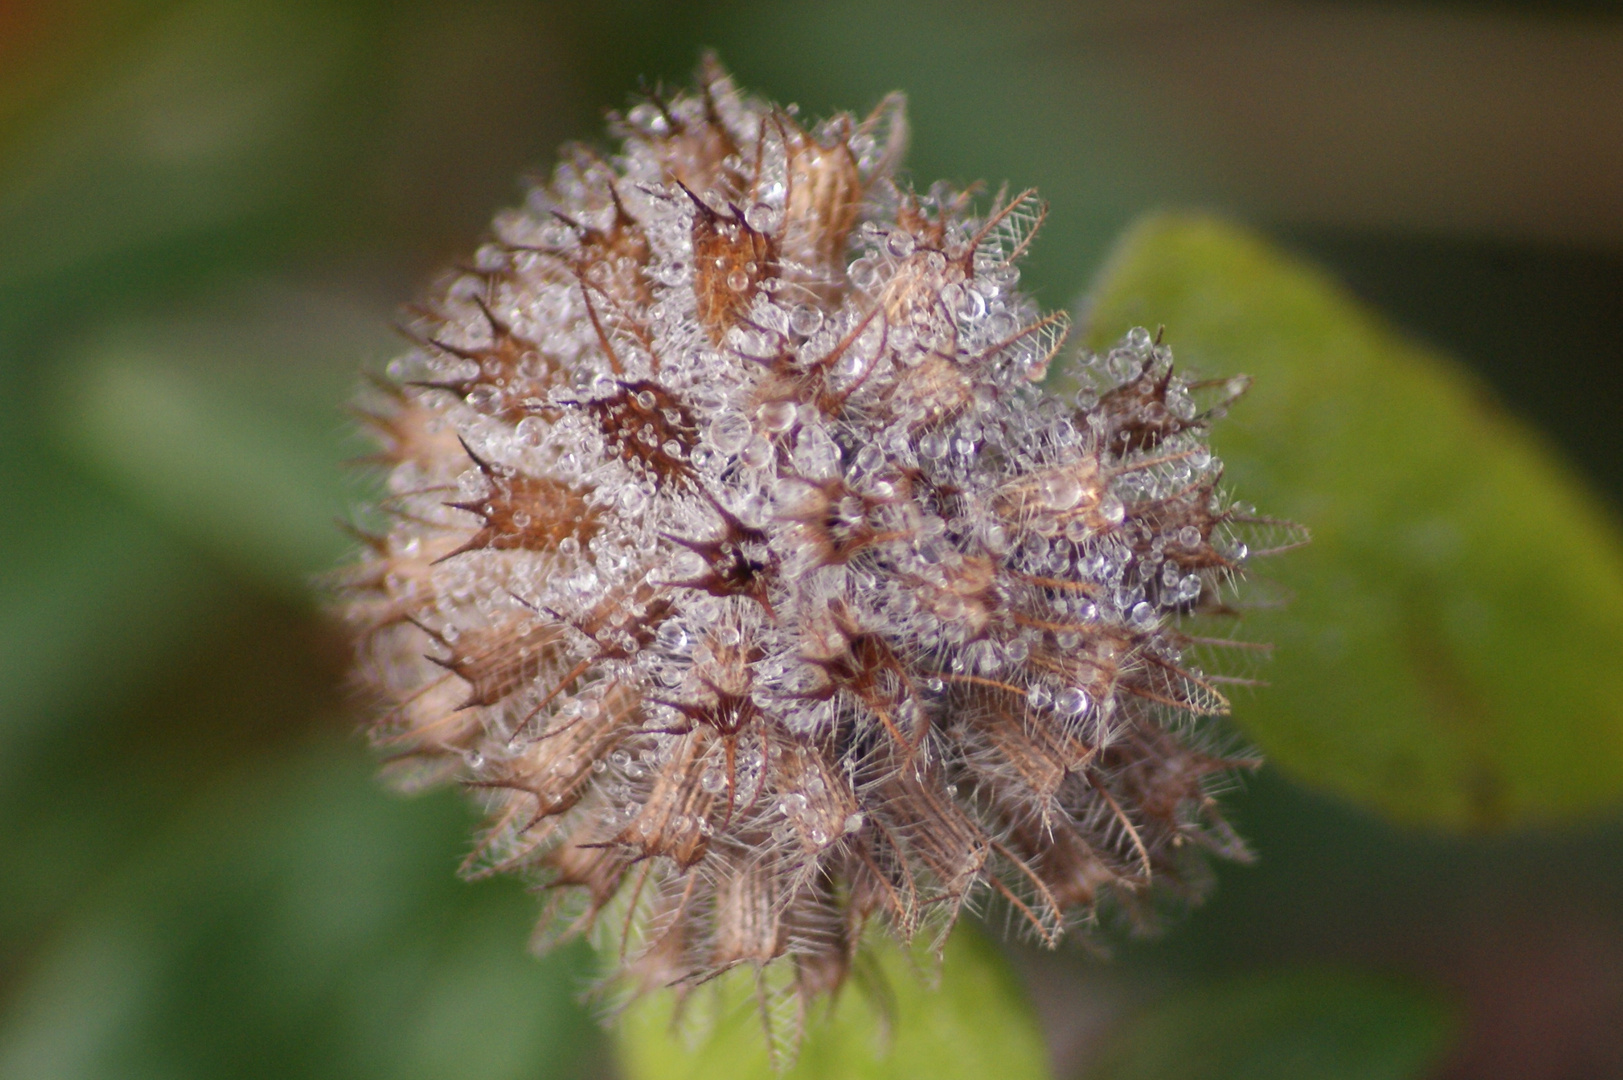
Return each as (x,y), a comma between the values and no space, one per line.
(740,563)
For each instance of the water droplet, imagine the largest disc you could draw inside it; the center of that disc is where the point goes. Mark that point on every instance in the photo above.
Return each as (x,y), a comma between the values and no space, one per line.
(647,118)
(1072,701)
(815,453)
(671,636)
(862,273)
(805,320)
(762,218)
(1059,491)
(777,416)
(730,432)
(757,453)
(531,430)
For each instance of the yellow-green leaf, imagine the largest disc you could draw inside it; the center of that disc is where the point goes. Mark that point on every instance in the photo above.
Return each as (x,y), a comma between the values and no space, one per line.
(1449,653)
(972,1022)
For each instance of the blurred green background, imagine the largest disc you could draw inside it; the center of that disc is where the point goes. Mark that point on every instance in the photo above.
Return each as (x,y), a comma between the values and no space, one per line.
(209,213)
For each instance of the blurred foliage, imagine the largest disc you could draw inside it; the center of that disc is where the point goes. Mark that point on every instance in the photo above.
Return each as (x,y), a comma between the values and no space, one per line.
(347,949)
(235,444)
(905,1016)
(207,213)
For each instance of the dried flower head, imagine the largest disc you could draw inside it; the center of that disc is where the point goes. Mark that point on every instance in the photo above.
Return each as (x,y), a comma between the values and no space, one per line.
(738,559)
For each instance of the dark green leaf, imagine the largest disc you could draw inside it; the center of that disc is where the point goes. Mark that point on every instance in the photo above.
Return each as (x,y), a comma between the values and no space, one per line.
(93,600)
(1288,1026)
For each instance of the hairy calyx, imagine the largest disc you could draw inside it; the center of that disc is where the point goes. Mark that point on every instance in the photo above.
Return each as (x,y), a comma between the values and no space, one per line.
(738,560)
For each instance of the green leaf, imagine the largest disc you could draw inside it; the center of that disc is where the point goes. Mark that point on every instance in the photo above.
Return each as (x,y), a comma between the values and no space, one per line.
(974,1023)
(1299,1025)
(1449,651)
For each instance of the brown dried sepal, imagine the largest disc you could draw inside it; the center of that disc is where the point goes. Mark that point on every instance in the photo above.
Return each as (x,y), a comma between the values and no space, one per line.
(821,805)
(730,260)
(528,513)
(702,155)
(1168,781)
(749,924)
(612,260)
(514,374)
(411,432)
(1189,509)
(499,661)
(674,815)
(869,671)
(933,393)
(581,864)
(738,562)
(393,584)
(1092,661)
(933,832)
(840,521)
(1042,753)
(639,420)
(1072,870)
(1049,499)
(825,192)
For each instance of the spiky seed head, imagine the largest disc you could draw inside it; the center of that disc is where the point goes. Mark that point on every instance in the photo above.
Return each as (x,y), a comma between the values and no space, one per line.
(739,561)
